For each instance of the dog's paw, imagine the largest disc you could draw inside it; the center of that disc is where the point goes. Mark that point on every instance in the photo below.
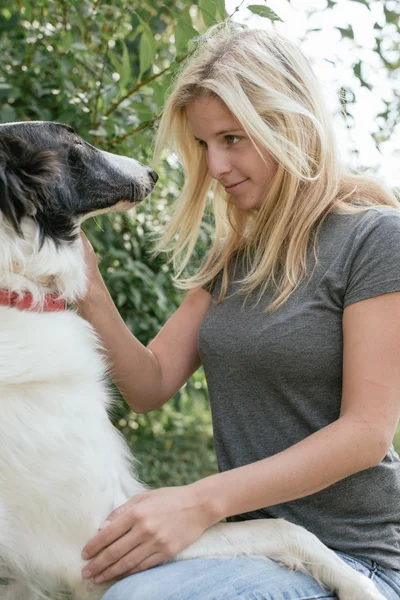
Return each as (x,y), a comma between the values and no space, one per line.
(364,590)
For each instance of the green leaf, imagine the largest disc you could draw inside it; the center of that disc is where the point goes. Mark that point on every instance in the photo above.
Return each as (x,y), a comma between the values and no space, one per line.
(121,299)
(160,89)
(145,114)
(208,10)
(264,11)
(363,2)
(183,34)
(220,4)
(7,114)
(28,10)
(347,33)
(391,16)
(100,132)
(68,39)
(147,49)
(126,67)
(5,89)
(78,46)
(184,30)
(116,63)
(357,73)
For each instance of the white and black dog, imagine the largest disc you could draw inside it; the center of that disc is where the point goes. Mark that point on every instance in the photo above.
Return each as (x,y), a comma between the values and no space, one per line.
(63,466)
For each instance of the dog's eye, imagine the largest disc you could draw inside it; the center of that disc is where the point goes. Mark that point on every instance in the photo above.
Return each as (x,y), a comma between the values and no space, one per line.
(78,142)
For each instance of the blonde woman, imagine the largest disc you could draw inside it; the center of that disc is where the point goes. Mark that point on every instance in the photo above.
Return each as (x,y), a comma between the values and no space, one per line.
(295,316)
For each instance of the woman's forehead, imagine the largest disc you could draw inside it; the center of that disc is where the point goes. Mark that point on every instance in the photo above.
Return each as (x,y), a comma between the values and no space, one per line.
(211,116)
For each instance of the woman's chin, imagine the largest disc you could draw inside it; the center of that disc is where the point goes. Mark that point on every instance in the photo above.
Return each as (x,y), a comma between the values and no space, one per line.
(244,203)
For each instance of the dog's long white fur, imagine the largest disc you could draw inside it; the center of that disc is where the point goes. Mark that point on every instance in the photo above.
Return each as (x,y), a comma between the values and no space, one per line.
(64,467)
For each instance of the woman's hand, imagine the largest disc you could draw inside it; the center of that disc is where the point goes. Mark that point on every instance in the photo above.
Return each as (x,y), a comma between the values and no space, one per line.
(144,532)
(93,275)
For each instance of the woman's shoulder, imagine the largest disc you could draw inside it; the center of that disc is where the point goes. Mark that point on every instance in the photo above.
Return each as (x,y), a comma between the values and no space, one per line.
(347,240)
(377,221)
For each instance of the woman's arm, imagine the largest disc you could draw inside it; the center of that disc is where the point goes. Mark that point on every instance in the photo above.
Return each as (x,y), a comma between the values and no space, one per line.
(146,377)
(159,524)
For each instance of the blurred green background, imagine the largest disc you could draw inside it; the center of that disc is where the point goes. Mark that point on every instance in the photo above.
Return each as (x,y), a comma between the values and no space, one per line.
(104,68)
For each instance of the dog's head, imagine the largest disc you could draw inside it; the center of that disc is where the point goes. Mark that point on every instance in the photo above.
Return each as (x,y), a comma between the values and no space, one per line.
(50,181)
(51,175)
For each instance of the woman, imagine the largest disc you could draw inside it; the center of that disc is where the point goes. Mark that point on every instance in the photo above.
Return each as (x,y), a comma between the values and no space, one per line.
(295,316)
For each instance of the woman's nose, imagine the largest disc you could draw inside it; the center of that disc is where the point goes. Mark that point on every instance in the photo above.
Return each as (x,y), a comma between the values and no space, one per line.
(218,163)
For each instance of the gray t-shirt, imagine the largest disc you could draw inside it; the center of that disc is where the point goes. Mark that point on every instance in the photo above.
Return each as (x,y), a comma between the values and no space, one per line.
(276,378)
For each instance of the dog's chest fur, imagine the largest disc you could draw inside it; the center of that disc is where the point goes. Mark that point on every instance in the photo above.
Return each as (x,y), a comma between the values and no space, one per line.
(64,468)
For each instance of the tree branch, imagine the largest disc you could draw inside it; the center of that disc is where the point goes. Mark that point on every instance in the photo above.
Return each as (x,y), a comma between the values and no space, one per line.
(137,87)
(144,125)
(236,10)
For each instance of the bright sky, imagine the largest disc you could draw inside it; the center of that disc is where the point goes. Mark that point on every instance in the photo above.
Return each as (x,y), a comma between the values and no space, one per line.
(327,45)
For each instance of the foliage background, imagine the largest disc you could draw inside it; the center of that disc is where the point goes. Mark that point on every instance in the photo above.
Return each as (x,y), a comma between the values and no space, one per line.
(104,67)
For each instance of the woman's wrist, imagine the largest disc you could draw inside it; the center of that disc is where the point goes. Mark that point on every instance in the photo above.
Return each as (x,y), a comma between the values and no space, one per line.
(209,499)
(96,293)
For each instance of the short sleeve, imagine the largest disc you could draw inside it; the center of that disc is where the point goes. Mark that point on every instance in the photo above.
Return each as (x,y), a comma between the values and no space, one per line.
(375,266)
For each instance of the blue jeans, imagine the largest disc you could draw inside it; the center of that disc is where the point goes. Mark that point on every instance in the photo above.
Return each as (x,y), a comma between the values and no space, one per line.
(239,579)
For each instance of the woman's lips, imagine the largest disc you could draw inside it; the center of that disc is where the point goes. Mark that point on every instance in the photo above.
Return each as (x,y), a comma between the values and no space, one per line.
(228,188)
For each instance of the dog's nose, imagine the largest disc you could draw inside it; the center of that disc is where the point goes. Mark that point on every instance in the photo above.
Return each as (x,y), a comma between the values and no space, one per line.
(153,175)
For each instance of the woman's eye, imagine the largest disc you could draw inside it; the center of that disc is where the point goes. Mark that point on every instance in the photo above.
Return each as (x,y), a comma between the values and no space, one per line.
(230,139)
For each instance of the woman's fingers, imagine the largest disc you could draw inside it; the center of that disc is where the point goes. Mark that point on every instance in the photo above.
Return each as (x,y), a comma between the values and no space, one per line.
(107,536)
(132,562)
(145,531)
(148,563)
(110,556)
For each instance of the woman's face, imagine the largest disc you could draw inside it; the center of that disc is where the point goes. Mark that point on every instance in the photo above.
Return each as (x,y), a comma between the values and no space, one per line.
(232,159)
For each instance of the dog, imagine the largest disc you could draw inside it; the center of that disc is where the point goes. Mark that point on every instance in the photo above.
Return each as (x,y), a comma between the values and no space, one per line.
(63,466)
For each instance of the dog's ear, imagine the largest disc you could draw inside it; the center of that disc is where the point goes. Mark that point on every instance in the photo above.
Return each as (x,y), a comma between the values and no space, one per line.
(26,175)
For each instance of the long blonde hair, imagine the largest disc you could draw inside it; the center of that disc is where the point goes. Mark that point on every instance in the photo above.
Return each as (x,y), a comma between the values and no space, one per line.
(268,85)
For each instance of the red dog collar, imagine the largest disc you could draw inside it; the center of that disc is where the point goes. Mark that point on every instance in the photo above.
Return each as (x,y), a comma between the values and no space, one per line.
(24,301)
